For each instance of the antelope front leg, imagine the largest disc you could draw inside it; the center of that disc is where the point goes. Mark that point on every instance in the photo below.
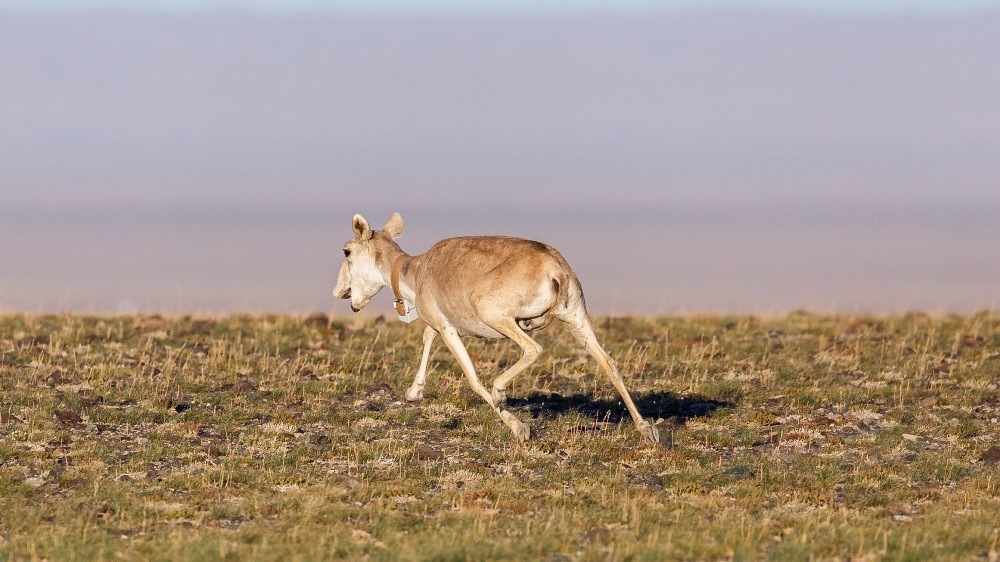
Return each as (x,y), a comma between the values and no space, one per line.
(450,336)
(416,390)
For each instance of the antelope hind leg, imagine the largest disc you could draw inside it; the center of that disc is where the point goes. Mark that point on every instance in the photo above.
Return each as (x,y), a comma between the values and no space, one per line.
(522,431)
(581,328)
(531,351)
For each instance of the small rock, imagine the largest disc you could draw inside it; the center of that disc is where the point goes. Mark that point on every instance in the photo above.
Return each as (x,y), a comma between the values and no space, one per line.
(665,431)
(426,452)
(57,378)
(128,360)
(6,418)
(243,387)
(912,438)
(34,481)
(380,390)
(317,320)
(653,482)
(70,483)
(153,322)
(788,458)
(319,439)
(823,421)
(991,455)
(209,433)
(203,327)
(68,417)
(929,402)
(344,481)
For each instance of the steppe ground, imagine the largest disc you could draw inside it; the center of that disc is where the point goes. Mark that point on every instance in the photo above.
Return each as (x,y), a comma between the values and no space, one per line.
(276,437)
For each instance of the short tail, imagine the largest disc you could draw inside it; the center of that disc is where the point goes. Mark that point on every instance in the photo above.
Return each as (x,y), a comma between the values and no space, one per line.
(569,293)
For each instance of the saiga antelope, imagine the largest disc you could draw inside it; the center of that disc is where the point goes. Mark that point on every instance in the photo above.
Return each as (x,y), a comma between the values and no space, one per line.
(487,286)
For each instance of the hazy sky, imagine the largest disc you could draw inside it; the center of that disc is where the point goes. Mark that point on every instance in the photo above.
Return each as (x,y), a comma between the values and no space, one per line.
(682,161)
(518,6)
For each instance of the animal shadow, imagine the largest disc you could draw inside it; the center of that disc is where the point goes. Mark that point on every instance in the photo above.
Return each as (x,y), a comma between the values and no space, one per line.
(651,405)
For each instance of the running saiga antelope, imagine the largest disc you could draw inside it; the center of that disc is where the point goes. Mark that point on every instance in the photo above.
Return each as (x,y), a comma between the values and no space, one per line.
(487,286)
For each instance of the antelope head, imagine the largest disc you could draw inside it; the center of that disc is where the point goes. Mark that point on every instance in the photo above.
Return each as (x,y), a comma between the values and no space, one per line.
(366,269)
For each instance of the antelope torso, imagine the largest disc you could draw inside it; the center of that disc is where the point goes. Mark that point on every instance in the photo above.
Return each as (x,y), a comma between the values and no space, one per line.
(520,276)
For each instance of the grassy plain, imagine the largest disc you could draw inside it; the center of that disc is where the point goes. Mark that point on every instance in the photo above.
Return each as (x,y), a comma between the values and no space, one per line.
(788,438)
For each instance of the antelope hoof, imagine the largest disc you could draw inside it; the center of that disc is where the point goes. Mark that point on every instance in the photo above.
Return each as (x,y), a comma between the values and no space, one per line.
(649,431)
(522,432)
(414,394)
(499,397)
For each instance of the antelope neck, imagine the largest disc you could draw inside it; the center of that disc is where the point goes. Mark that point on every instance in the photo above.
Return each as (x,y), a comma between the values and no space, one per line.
(394,279)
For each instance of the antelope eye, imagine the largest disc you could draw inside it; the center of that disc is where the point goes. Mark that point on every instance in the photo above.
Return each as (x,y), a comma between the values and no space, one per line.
(347,253)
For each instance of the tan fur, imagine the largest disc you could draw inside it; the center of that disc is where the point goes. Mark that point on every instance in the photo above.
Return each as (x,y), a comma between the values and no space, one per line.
(487,286)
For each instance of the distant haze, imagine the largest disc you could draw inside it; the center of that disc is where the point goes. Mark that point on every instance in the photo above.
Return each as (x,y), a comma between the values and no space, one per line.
(496,7)
(716,161)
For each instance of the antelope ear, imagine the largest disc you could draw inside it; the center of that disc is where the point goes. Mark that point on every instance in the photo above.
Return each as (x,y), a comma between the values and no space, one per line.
(362,231)
(394,226)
